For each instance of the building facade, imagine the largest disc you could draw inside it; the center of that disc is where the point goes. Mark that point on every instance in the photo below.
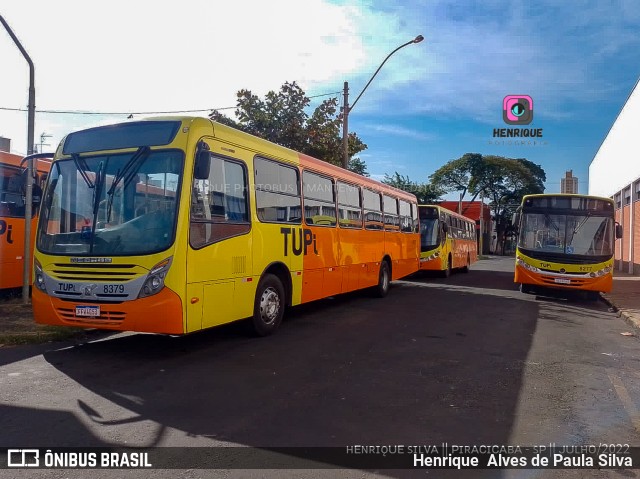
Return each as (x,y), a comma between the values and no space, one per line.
(615,173)
(569,184)
(482,217)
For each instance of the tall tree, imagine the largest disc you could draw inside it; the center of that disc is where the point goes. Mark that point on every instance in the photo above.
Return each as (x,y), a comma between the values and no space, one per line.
(504,181)
(281,117)
(426,193)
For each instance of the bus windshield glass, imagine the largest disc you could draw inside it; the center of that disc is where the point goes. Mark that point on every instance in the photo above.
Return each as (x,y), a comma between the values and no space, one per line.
(116,204)
(429,228)
(574,234)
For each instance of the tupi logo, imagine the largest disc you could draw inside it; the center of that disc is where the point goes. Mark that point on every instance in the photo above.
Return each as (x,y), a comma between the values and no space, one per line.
(301,239)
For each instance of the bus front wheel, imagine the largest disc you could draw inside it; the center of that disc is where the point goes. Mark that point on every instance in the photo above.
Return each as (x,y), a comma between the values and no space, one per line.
(268,308)
(526,288)
(447,271)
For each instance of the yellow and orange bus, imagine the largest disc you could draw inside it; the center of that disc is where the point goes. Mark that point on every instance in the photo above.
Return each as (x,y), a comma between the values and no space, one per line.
(565,242)
(447,240)
(174,225)
(12,211)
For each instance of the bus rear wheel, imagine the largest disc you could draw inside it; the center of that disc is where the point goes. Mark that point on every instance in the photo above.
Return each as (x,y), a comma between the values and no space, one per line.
(466,267)
(268,308)
(384,280)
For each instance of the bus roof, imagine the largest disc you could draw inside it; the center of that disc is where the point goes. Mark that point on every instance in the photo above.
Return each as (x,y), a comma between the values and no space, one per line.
(10,159)
(278,152)
(567,195)
(449,212)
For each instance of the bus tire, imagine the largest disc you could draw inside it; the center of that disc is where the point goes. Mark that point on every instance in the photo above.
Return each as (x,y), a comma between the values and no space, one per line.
(526,288)
(466,267)
(447,271)
(269,305)
(593,295)
(384,280)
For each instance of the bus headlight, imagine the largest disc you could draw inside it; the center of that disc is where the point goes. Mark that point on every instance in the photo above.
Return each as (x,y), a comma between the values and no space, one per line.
(155,279)
(527,266)
(601,272)
(39,277)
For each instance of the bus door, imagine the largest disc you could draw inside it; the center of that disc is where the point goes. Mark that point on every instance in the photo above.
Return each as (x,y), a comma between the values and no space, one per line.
(219,265)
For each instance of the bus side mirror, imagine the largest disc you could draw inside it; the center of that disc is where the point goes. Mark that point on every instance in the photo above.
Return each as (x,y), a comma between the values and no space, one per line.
(515,220)
(618,231)
(203,165)
(445,227)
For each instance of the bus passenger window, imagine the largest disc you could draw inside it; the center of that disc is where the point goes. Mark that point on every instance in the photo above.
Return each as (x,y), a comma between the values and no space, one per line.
(278,198)
(319,201)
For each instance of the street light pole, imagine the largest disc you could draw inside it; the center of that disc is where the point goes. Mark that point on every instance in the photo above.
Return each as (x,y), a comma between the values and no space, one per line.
(28,193)
(347,109)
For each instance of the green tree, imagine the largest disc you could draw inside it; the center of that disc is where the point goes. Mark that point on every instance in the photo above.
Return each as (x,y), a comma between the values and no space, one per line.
(426,193)
(281,117)
(504,181)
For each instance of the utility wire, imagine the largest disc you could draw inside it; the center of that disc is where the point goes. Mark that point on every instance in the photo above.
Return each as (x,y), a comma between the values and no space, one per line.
(81,112)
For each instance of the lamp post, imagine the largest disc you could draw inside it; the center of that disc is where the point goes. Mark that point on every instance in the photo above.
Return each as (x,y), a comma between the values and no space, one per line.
(28,193)
(347,109)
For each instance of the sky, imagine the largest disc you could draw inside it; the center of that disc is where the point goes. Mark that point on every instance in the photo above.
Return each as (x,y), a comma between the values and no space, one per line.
(431,102)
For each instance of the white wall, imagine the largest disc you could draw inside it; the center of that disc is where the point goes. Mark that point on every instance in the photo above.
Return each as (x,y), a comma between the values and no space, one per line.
(617,162)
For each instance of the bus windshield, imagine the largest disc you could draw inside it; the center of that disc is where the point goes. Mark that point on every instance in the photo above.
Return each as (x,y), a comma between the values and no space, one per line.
(117,204)
(429,228)
(574,234)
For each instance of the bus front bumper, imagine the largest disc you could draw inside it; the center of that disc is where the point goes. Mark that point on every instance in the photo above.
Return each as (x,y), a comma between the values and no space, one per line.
(602,284)
(160,313)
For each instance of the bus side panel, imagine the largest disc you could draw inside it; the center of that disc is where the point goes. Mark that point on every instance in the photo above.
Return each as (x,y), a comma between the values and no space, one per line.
(12,250)
(350,262)
(216,268)
(393,248)
(322,276)
(370,253)
(410,252)
(279,243)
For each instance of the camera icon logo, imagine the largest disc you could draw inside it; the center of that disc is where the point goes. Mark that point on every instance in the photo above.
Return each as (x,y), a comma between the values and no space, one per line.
(517,109)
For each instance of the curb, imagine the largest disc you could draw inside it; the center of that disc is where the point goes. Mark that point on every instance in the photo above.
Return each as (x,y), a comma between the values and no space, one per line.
(621,313)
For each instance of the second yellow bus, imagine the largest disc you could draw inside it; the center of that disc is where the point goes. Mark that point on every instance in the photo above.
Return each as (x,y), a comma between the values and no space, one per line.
(447,240)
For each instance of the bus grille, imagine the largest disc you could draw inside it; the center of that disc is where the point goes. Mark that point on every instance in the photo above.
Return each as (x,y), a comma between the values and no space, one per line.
(106,318)
(111,273)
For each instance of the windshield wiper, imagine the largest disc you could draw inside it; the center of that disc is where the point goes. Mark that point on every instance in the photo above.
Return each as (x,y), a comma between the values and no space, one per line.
(82,167)
(128,170)
(578,227)
(100,176)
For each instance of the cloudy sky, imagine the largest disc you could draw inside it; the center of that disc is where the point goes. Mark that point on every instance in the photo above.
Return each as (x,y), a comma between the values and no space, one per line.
(431,102)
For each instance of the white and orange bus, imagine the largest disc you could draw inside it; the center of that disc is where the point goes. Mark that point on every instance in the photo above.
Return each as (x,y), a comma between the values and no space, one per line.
(12,211)
(447,240)
(175,225)
(565,242)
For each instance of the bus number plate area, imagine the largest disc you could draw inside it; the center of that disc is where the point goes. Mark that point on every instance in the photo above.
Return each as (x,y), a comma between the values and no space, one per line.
(562,281)
(88,311)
